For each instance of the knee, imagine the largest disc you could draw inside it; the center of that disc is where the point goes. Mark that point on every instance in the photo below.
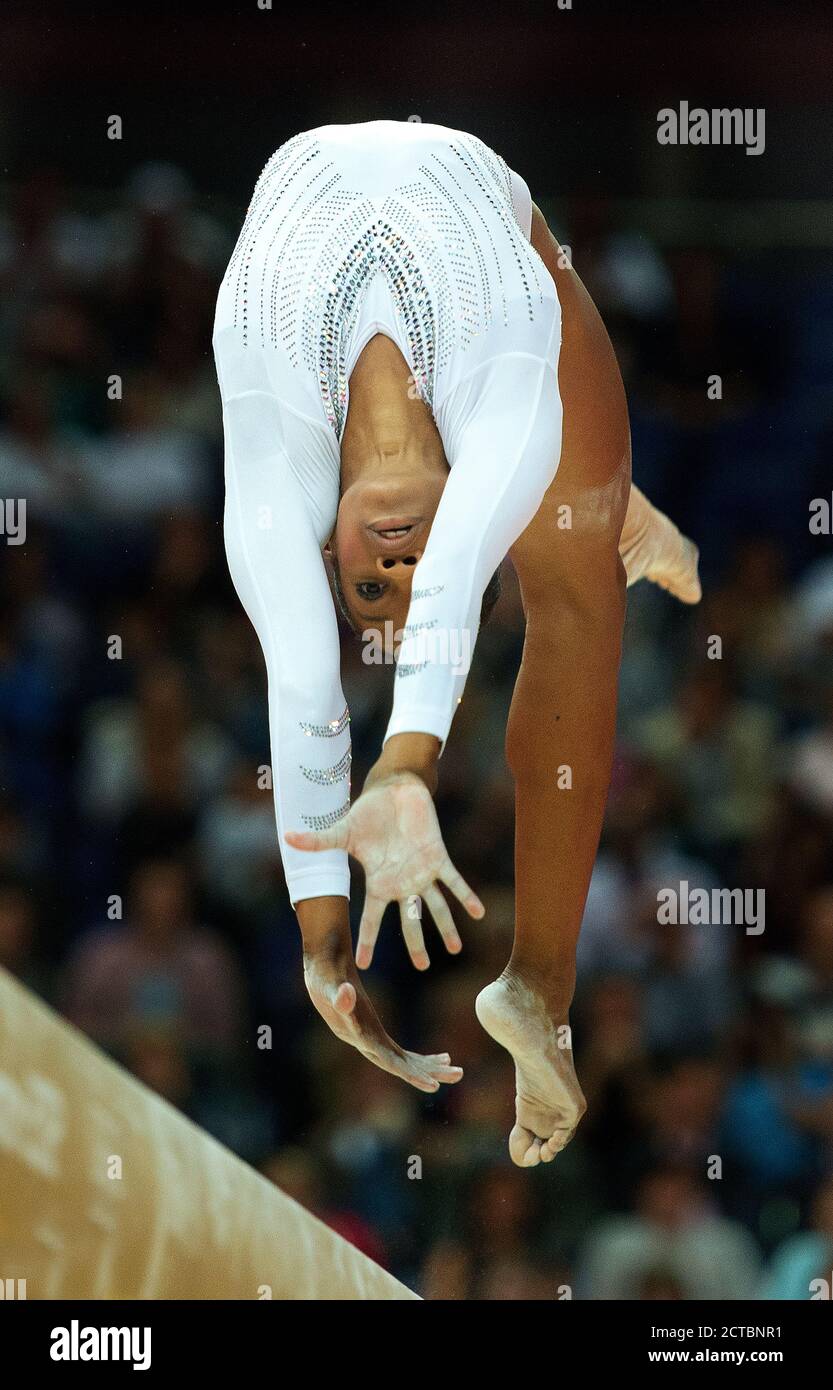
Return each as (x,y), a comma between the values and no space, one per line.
(585,591)
(570,553)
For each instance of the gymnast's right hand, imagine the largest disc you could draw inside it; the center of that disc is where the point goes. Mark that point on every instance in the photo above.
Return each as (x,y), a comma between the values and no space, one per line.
(336,989)
(392,829)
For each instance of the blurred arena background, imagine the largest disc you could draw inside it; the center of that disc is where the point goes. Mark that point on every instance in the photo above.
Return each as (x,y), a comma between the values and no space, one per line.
(140,883)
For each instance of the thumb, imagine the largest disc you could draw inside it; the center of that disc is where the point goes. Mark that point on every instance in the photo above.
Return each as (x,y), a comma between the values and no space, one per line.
(333,838)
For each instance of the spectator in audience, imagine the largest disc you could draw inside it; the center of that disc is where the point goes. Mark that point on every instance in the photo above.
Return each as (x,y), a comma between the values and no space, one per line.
(675,1228)
(806,1257)
(158,967)
(719,753)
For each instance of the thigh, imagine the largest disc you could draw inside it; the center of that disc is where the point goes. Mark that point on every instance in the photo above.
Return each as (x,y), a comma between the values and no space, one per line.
(581,516)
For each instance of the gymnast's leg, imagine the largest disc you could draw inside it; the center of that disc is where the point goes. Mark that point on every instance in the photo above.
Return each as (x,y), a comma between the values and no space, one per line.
(561,728)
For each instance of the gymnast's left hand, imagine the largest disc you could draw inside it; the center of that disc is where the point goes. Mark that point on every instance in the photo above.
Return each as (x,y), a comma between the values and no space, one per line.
(393,831)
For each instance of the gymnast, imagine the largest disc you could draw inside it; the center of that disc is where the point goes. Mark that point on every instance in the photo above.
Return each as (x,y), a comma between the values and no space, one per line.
(416,384)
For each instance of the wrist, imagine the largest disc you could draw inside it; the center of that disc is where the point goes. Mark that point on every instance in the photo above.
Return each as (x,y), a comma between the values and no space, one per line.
(325,926)
(417,754)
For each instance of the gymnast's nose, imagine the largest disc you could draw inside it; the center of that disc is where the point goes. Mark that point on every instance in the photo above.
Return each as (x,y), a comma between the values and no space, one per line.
(394,565)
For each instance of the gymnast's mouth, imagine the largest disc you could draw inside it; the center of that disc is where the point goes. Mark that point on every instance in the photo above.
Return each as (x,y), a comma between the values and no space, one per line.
(394,531)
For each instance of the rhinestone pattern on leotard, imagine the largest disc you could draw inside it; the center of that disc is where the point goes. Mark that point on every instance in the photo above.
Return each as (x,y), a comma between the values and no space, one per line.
(331,308)
(326,776)
(273,188)
(492,189)
(324,822)
(311,244)
(331,730)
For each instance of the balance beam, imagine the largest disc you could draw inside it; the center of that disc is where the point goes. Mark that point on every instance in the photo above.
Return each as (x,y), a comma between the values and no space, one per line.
(185,1219)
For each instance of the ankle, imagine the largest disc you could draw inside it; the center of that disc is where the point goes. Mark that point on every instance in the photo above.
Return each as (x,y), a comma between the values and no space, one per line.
(553,981)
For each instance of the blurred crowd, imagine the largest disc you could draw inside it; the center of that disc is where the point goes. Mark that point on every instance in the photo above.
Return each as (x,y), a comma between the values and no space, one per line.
(141,890)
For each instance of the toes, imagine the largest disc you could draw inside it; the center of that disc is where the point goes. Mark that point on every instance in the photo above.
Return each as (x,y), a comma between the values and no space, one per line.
(552,1146)
(518,1144)
(524,1147)
(527,1150)
(532,1156)
(556,1142)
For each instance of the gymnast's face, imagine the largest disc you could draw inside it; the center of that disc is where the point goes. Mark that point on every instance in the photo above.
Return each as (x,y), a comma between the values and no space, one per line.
(380,534)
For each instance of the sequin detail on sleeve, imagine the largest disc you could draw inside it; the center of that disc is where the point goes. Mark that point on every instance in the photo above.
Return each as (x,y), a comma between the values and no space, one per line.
(427,593)
(327,776)
(331,730)
(324,822)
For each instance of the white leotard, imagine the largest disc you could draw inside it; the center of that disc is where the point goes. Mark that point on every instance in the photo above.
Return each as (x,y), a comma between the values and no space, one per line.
(420,233)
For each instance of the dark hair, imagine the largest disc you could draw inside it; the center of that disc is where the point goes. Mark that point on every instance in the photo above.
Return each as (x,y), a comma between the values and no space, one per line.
(491,594)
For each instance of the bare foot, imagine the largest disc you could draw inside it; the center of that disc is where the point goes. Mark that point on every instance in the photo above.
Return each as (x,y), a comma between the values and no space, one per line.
(653,548)
(549,1102)
(676,570)
(334,986)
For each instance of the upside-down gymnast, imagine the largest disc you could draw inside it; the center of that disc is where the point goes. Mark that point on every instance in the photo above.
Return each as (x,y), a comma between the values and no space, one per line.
(416,383)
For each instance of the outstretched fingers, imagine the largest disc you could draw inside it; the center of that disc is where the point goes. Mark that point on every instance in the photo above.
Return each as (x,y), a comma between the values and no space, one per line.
(455,882)
(347,1010)
(426,1073)
(412,932)
(440,911)
(374,910)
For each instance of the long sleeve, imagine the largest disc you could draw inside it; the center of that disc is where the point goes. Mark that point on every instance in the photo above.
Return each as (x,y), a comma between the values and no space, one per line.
(501,427)
(274,554)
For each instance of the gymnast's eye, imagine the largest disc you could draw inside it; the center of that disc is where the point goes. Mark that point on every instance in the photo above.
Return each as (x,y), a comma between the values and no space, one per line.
(370,589)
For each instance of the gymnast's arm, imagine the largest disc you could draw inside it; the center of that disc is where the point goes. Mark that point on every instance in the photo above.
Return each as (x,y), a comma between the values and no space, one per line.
(273,532)
(502,462)
(274,555)
(503,439)
(406,749)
